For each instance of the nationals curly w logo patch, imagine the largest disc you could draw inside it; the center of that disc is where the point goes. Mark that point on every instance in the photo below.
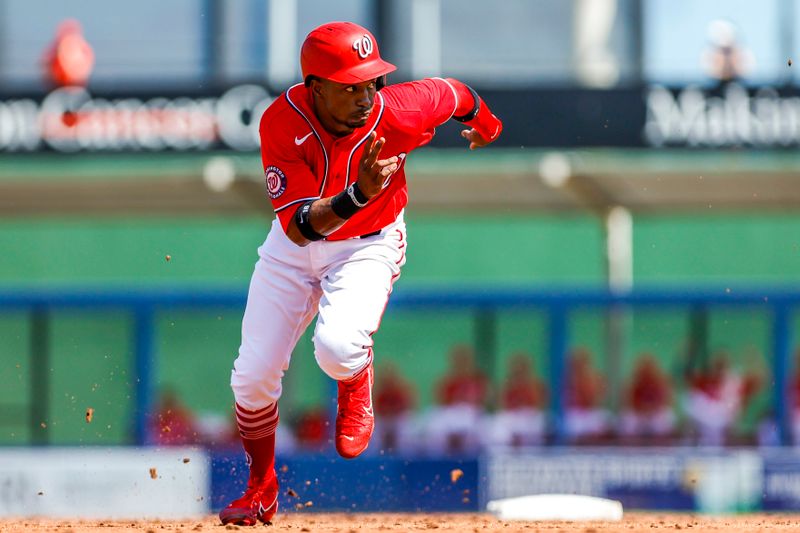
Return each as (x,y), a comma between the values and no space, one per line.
(276,181)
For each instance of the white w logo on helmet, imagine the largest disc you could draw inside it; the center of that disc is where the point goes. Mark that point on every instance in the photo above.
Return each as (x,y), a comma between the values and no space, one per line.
(363,46)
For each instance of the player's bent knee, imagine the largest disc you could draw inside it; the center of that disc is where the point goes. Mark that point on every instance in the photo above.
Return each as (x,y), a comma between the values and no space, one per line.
(253,390)
(339,356)
(341,369)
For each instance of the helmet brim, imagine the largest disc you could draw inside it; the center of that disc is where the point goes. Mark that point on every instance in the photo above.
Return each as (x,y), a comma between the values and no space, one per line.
(364,72)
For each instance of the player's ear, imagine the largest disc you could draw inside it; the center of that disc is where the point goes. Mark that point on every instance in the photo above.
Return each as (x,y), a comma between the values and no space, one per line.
(307,81)
(315,84)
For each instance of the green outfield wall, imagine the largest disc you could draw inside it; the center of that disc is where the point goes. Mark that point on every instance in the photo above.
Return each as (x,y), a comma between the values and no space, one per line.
(91,351)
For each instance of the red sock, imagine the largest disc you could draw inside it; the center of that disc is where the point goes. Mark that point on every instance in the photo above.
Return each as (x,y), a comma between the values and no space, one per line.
(257,429)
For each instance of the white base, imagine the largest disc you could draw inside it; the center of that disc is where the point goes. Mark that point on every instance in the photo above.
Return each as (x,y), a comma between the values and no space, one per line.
(556,507)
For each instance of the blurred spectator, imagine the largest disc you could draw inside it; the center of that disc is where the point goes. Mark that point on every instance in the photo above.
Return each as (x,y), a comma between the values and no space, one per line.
(394,401)
(794,400)
(214,429)
(284,439)
(726,60)
(172,424)
(767,433)
(648,412)
(465,383)
(752,411)
(520,420)
(312,429)
(715,399)
(453,426)
(69,59)
(587,421)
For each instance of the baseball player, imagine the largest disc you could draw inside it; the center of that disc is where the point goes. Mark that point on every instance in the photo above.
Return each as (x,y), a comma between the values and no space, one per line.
(333,150)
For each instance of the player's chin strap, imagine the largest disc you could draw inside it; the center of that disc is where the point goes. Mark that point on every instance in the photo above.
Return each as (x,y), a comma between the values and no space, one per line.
(480,118)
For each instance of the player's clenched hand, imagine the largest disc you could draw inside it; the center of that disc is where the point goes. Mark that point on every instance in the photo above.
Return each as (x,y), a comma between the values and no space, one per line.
(373,172)
(475,139)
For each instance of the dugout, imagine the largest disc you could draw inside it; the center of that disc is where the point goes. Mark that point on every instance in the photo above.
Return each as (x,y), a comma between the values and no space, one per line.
(483,221)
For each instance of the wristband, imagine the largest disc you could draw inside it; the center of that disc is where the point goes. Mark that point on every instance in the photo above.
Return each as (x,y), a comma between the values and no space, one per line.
(302,217)
(475,107)
(480,118)
(355,194)
(485,123)
(348,202)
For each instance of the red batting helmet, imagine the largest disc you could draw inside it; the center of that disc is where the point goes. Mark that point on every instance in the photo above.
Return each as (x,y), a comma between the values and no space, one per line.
(342,52)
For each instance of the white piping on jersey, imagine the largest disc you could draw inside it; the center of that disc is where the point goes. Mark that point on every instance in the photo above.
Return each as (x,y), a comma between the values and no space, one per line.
(325,176)
(455,95)
(359,143)
(281,208)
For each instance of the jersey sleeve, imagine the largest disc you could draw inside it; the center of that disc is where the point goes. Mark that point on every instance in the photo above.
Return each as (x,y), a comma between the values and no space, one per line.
(288,177)
(434,99)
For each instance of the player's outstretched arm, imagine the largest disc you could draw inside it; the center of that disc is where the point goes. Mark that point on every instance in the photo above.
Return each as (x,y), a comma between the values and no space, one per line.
(315,219)
(485,127)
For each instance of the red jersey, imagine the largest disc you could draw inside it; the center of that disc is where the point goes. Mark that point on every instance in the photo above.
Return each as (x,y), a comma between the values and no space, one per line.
(303,162)
(463,389)
(522,393)
(393,398)
(649,393)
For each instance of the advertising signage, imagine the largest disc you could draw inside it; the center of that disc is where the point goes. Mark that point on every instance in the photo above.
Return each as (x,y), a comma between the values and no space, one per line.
(72,119)
(728,116)
(653,116)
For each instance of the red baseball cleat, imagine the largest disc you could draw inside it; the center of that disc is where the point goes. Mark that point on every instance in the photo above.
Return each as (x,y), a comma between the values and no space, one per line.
(258,503)
(355,419)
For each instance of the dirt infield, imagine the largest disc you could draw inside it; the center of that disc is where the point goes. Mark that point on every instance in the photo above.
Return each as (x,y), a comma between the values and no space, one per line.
(479,523)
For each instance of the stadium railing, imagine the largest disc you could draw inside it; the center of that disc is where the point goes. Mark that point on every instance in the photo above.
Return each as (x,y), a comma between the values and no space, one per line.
(556,303)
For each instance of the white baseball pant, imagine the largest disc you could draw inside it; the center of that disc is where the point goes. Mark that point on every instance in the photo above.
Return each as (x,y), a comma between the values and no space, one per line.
(347,283)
